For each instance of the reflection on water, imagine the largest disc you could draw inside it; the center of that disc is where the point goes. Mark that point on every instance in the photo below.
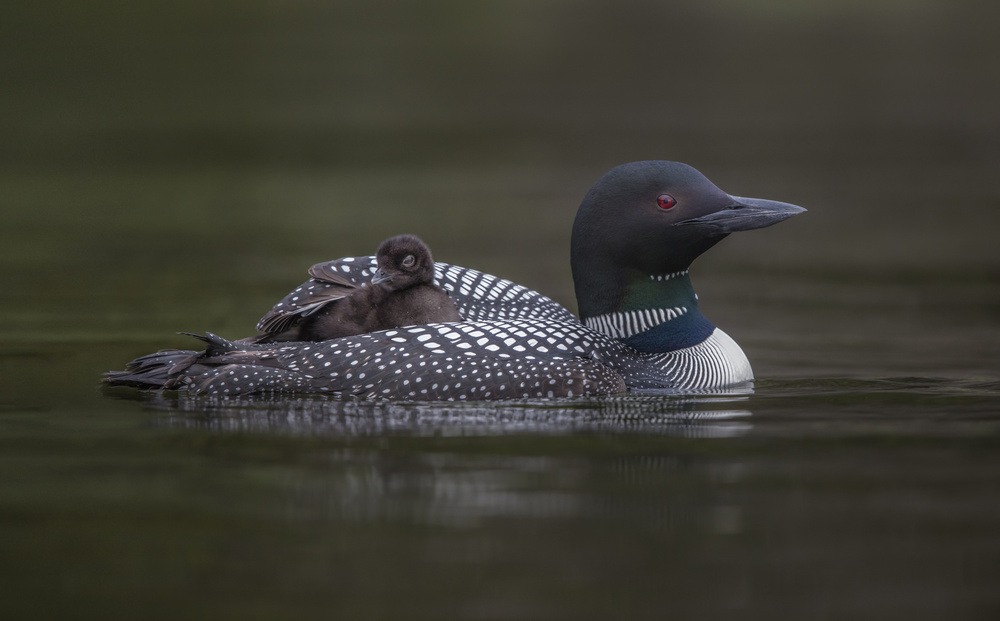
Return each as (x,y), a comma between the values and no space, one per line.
(435,486)
(690,416)
(442,489)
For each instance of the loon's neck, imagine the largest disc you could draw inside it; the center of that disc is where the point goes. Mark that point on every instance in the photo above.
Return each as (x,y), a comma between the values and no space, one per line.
(656,313)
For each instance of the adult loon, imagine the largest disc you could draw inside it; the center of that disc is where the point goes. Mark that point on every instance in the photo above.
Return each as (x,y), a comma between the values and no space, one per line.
(636,233)
(401,293)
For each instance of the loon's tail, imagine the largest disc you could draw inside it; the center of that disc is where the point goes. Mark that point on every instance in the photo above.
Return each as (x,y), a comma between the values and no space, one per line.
(154,371)
(165,368)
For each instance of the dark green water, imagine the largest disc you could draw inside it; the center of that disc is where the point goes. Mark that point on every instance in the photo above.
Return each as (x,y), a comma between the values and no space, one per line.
(169,167)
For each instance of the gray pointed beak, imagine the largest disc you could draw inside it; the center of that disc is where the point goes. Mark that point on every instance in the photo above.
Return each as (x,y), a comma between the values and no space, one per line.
(746,214)
(380,276)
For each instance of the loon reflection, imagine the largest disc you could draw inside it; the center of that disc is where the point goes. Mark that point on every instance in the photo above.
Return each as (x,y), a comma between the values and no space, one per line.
(688,416)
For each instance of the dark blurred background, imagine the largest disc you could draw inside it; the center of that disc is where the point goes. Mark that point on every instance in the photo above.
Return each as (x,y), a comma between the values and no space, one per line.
(144,140)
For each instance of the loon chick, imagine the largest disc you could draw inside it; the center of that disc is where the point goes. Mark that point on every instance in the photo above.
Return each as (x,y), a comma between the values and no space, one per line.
(636,233)
(401,293)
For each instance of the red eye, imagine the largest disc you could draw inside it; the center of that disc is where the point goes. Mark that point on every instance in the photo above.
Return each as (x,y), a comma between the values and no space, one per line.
(665,201)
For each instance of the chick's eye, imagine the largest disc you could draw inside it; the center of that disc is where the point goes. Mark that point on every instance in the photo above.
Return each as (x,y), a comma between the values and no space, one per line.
(409,260)
(665,201)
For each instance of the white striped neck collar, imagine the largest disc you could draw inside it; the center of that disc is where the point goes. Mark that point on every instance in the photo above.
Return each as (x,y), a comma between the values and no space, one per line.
(622,325)
(658,313)
(670,276)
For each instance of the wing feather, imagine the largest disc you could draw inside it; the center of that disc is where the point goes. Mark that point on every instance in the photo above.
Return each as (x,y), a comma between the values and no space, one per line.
(330,280)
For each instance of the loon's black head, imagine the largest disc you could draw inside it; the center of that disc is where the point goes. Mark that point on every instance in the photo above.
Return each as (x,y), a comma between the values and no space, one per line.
(647,218)
(404,261)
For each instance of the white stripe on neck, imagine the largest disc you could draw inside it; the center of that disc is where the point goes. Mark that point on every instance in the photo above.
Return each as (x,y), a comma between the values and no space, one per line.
(662,277)
(629,323)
